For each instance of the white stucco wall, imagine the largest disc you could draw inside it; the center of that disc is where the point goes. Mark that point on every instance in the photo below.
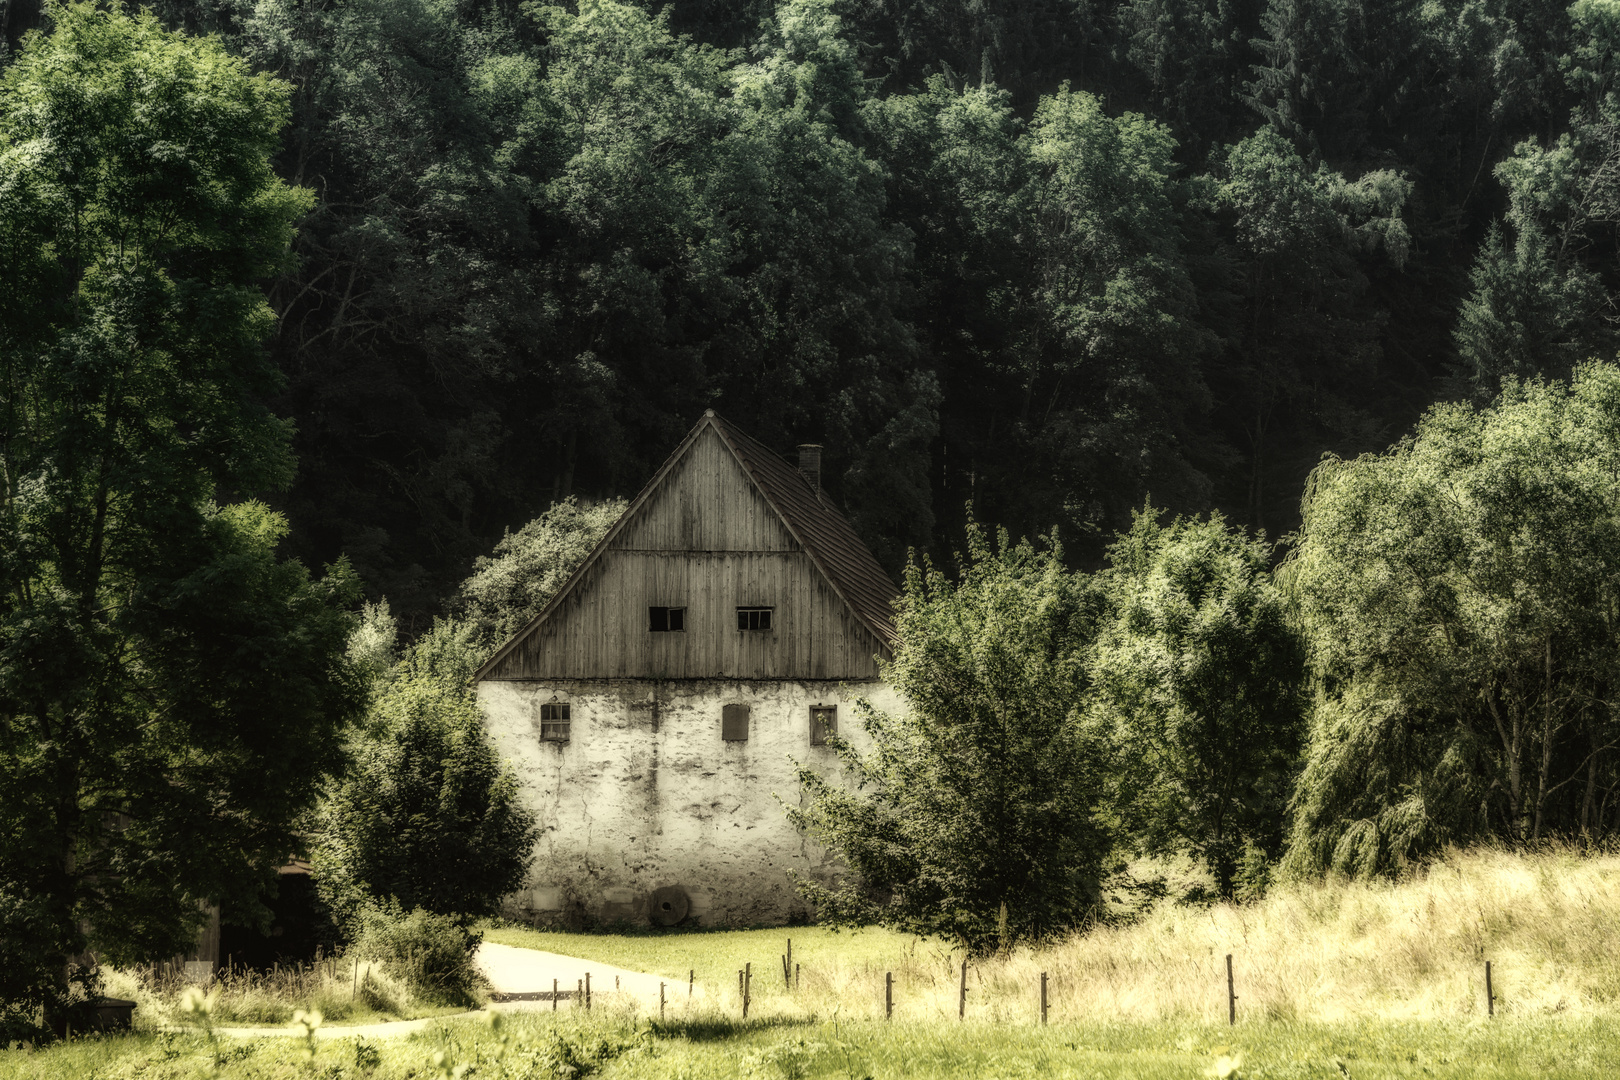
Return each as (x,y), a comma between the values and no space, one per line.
(646,794)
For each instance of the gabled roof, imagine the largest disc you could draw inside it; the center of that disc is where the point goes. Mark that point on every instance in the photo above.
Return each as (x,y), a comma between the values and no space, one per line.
(830,540)
(834,548)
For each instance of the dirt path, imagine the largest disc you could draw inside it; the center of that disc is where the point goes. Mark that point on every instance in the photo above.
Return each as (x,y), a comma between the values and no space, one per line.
(520,979)
(530,974)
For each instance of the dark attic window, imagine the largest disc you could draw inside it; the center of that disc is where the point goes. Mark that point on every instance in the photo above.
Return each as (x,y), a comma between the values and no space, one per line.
(666,619)
(753,618)
(734,723)
(555,720)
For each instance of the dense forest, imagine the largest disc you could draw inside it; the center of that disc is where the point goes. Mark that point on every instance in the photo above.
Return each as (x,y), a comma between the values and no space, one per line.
(1108,300)
(1049,256)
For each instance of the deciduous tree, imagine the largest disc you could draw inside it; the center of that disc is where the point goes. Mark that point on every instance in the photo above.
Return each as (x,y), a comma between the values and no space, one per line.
(1198,675)
(429,817)
(975,813)
(171,693)
(1459,594)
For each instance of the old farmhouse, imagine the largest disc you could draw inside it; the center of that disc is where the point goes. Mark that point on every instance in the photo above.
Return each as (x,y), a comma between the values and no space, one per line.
(655,708)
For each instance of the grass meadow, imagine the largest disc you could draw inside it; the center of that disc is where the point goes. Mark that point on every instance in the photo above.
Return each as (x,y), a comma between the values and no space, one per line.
(344,991)
(1333,980)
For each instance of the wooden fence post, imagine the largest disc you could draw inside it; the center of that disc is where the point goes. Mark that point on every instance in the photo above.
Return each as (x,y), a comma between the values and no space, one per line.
(748,986)
(888,995)
(1490,992)
(660,1001)
(961,1001)
(587,991)
(1231,995)
(1043,999)
(554,995)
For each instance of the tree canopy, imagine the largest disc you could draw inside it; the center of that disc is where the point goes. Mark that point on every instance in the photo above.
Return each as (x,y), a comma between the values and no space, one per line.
(1199,673)
(973,816)
(1052,258)
(1459,593)
(171,691)
(428,816)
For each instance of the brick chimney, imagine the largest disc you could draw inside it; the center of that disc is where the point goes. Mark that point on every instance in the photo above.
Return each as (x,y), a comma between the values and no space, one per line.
(810,464)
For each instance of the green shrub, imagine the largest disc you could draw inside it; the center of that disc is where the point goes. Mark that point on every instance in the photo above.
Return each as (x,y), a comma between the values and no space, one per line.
(428,814)
(432,953)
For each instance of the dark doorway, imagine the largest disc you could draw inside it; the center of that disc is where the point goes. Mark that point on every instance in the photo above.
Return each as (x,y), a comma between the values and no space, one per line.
(300,924)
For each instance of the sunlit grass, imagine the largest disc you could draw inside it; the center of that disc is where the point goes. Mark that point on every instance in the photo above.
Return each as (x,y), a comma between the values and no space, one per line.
(615,1046)
(343,990)
(1410,950)
(1335,980)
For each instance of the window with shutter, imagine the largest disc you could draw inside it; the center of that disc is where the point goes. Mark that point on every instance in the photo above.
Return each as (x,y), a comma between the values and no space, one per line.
(823,722)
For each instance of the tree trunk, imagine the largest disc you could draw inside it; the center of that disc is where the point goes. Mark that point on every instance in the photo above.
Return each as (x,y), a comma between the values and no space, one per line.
(1511,740)
(1545,766)
(67,821)
(1590,798)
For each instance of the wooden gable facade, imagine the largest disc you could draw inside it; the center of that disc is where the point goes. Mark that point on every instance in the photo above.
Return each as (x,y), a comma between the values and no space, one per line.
(724,524)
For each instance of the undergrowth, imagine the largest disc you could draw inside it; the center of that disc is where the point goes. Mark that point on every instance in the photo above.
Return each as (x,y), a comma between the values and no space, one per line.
(342,990)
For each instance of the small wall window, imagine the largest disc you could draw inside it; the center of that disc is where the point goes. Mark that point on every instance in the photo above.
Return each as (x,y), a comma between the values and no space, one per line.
(734,723)
(753,618)
(823,722)
(555,720)
(666,619)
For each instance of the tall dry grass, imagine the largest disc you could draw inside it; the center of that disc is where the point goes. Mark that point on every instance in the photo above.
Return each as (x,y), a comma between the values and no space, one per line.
(342,989)
(1409,950)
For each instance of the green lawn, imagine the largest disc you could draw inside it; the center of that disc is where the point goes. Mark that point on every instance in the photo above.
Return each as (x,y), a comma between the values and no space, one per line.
(617,1047)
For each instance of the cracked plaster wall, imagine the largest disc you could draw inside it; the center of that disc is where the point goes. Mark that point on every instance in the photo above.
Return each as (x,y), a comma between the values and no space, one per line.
(646,794)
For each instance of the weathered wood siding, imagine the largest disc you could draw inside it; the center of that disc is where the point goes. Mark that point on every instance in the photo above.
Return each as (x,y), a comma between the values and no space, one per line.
(706,503)
(709,542)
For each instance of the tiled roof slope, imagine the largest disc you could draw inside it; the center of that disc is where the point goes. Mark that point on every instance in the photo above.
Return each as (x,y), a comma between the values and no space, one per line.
(831,541)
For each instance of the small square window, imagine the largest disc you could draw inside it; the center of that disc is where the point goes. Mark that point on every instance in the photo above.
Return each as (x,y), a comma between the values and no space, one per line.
(753,618)
(555,721)
(666,619)
(823,722)
(734,723)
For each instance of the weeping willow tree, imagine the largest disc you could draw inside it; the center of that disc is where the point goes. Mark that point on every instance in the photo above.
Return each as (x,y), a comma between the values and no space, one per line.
(1461,597)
